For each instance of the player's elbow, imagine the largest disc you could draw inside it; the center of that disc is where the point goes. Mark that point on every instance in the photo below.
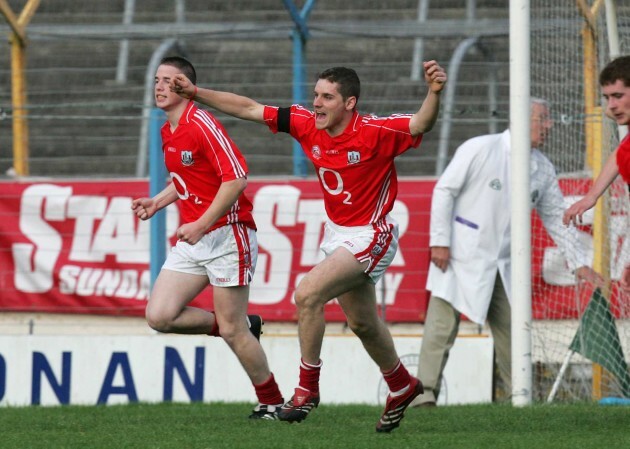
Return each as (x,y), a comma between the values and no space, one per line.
(240,184)
(254,112)
(421,126)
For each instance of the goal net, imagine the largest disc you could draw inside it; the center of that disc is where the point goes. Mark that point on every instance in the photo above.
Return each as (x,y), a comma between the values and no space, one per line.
(581,337)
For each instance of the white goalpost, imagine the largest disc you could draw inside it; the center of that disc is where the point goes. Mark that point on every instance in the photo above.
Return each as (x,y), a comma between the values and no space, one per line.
(521,224)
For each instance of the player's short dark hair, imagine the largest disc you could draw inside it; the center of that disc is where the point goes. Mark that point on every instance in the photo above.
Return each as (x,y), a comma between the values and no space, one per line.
(182,64)
(348,80)
(617,69)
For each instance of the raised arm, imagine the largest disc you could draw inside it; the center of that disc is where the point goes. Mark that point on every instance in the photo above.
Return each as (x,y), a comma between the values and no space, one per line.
(236,105)
(423,120)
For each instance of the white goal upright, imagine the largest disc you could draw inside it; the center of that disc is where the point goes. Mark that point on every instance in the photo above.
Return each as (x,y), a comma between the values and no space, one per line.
(580,337)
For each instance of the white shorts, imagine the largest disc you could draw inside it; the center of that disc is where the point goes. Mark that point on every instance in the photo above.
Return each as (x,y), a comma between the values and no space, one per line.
(226,255)
(376,244)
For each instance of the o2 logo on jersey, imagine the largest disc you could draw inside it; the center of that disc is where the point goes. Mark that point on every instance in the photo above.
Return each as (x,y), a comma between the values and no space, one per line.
(331,189)
(187,158)
(354,157)
(182,189)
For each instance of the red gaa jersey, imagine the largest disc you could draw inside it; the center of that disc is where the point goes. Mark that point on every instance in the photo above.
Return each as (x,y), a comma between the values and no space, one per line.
(623,159)
(355,169)
(200,156)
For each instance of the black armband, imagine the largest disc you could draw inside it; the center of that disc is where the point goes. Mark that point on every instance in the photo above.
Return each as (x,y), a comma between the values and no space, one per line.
(284,120)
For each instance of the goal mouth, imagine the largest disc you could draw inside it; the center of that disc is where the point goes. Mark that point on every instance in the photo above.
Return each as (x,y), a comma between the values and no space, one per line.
(580,335)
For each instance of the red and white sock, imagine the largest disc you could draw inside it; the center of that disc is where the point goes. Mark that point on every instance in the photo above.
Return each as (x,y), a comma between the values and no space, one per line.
(309,376)
(398,379)
(215,327)
(268,392)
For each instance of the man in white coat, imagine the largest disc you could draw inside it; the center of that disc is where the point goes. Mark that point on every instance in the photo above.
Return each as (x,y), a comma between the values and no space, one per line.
(470,245)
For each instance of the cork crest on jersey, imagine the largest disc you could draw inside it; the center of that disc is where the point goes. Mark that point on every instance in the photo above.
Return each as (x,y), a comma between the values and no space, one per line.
(187,158)
(354,157)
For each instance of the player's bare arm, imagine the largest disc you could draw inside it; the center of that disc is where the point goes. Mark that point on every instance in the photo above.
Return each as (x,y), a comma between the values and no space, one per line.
(227,195)
(145,208)
(608,174)
(236,105)
(423,120)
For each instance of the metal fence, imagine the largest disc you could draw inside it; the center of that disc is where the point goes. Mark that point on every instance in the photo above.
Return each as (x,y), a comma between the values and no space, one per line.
(87,65)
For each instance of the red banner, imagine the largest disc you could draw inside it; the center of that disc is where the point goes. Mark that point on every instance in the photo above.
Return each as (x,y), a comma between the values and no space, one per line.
(75,247)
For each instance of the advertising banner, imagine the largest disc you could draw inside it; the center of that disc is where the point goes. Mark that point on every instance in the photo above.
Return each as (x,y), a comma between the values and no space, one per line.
(64,370)
(76,247)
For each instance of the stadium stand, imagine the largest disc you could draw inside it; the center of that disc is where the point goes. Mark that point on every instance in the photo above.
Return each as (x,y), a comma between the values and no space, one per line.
(85,121)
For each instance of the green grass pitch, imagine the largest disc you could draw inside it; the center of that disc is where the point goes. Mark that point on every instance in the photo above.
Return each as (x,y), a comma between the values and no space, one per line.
(219,425)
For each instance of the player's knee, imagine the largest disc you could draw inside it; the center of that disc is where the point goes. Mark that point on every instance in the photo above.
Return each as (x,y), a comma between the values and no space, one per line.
(234,336)
(157,321)
(307,298)
(304,300)
(228,332)
(362,328)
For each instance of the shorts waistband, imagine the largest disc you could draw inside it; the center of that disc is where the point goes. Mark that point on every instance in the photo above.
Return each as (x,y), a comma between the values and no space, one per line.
(355,229)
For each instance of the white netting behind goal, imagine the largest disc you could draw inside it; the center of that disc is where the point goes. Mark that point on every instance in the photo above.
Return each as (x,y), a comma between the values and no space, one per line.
(567,336)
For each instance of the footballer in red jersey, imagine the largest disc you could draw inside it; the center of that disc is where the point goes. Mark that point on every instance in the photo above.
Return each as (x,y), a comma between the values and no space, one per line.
(353,156)
(217,240)
(355,168)
(200,156)
(614,80)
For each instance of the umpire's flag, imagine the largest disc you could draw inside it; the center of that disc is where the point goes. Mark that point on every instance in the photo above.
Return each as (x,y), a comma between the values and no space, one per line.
(597,339)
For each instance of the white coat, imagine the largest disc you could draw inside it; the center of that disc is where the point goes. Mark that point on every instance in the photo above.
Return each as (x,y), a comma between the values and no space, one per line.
(470,214)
